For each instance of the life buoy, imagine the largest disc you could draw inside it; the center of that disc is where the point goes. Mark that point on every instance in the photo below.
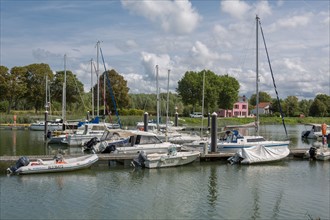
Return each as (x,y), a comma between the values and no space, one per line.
(324,129)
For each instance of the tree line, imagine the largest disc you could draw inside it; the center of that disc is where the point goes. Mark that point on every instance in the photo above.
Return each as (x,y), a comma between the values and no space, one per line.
(24,88)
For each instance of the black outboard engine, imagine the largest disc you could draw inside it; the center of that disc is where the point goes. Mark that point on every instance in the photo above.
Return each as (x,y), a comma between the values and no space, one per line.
(139,161)
(306,134)
(312,153)
(22,161)
(110,148)
(89,144)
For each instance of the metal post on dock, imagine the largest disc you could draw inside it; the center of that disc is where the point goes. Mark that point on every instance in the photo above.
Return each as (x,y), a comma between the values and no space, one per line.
(145,121)
(214,132)
(176,119)
(46,124)
(208,119)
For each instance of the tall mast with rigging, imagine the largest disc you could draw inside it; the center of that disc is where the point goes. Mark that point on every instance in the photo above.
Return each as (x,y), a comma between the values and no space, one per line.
(257,76)
(64,92)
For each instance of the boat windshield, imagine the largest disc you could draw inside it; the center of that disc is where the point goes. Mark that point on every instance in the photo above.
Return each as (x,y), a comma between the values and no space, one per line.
(140,139)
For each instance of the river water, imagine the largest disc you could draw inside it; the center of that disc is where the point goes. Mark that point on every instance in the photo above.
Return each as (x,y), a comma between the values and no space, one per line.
(290,189)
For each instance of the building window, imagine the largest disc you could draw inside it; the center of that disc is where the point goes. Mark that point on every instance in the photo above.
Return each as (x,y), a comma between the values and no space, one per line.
(243,106)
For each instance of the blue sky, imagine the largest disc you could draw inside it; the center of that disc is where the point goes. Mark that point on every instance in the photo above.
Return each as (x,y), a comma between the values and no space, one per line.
(177,35)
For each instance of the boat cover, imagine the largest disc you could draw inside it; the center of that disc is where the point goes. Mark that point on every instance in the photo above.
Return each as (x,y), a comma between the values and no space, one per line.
(259,154)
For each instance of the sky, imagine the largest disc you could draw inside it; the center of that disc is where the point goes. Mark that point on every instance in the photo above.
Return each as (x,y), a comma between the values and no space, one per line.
(178,36)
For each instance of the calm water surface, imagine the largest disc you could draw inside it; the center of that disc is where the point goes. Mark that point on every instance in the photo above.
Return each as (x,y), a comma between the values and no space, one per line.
(290,189)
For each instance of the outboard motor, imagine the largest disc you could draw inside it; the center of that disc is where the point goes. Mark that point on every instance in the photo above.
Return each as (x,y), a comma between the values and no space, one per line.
(110,148)
(312,153)
(22,161)
(139,161)
(89,144)
(306,134)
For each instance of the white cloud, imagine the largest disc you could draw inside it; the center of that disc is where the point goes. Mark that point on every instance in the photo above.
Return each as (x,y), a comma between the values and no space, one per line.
(294,21)
(263,9)
(294,65)
(173,16)
(236,9)
(149,62)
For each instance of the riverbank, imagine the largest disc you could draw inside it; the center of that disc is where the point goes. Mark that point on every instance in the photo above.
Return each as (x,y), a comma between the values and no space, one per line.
(128,121)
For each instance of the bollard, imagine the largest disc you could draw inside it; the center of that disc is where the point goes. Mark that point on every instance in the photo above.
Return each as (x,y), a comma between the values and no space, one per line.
(145,121)
(214,132)
(176,119)
(14,120)
(46,124)
(206,150)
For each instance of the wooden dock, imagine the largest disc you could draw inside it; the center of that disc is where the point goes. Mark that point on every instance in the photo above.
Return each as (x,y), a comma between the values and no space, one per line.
(127,158)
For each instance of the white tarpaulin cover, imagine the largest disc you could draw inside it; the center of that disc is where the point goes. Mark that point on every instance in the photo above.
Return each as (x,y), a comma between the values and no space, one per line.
(259,154)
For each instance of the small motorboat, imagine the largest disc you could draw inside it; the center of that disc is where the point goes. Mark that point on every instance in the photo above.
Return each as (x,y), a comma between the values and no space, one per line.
(318,152)
(259,154)
(58,164)
(170,159)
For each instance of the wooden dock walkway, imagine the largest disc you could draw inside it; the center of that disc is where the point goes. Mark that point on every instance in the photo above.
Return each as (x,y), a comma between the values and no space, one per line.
(294,153)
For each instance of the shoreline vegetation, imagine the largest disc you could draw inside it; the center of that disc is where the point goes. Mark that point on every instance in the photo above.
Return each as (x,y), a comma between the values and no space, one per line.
(129,121)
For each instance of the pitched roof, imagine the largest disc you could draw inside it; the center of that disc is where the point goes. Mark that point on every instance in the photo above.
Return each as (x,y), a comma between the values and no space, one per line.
(263,104)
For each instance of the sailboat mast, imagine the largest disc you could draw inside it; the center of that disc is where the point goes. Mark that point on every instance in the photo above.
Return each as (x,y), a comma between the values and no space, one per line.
(46,90)
(92,88)
(64,92)
(203,104)
(167,101)
(157,91)
(257,76)
(97,75)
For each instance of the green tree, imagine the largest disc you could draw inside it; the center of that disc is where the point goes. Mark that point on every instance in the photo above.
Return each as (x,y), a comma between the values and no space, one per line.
(263,97)
(117,86)
(190,88)
(320,106)
(304,106)
(291,106)
(228,94)
(36,84)
(17,86)
(74,90)
(4,83)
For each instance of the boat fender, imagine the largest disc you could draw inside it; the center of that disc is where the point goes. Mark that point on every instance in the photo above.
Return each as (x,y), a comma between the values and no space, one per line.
(49,134)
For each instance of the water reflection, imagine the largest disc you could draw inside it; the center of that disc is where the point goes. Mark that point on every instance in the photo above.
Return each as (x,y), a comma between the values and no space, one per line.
(14,142)
(213,187)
